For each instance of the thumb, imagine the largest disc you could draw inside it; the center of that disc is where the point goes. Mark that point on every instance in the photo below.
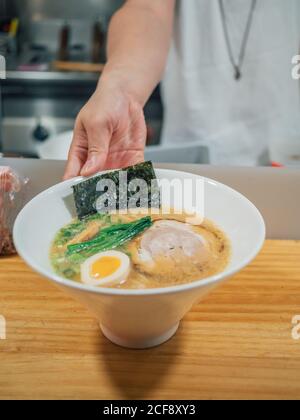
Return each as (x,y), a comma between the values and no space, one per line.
(77,154)
(99,137)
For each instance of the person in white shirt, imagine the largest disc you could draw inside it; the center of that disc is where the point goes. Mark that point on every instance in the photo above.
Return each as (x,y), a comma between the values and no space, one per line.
(225,67)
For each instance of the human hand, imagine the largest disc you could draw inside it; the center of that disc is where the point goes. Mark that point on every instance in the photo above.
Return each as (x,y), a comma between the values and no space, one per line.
(110,132)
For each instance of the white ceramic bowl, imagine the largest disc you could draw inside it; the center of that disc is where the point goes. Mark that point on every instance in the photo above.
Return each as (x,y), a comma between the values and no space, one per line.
(139,318)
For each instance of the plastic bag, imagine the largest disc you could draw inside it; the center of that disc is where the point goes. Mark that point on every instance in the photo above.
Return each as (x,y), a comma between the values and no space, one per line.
(12,198)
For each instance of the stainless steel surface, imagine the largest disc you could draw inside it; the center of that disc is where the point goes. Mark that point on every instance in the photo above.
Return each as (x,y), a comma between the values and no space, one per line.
(52,99)
(51,76)
(54,102)
(275,192)
(18,133)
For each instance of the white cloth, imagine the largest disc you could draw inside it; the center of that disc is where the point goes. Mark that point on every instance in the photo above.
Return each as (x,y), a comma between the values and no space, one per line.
(204,103)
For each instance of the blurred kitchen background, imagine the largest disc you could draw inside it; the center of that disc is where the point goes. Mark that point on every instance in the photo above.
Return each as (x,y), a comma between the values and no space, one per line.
(54,51)
(46,43)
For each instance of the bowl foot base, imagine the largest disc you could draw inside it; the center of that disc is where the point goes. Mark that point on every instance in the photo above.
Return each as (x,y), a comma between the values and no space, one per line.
(139,344)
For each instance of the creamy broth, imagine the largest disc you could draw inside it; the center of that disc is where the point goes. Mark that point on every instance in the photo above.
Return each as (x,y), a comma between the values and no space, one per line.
(171,252)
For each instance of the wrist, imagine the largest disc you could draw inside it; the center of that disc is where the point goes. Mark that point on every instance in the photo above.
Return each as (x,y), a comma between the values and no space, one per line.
(123,79)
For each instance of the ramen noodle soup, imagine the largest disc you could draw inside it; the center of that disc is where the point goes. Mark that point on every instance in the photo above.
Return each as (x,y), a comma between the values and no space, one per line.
(139,251)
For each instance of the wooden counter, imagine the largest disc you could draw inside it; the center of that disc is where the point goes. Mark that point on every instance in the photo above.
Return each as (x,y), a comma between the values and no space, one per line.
(236,344)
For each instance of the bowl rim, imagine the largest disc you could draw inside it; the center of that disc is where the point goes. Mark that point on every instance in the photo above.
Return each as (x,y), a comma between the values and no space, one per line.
(209,281)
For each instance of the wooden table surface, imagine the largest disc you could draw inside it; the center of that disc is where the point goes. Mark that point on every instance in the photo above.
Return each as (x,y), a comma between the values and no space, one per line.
(236,344)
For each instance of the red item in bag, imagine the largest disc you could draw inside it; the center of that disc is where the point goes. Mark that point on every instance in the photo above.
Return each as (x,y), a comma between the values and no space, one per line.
(12,197)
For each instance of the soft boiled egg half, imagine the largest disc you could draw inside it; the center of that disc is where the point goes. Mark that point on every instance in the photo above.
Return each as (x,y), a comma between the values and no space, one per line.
(105,269)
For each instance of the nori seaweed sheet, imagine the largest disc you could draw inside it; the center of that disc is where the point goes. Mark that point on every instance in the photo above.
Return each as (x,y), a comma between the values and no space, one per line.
(86,195)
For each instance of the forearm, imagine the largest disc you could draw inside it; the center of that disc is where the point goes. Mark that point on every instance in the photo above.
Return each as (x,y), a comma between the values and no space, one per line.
(138,44)
(110,130)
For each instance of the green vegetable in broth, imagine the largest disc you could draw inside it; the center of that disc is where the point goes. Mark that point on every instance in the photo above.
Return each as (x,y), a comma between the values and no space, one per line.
(67,233)
(108,238)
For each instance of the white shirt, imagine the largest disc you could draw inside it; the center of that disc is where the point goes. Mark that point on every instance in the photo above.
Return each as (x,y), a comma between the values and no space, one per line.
(203,101)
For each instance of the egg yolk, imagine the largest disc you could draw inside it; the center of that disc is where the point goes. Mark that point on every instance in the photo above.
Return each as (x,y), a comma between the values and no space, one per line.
(105,266)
